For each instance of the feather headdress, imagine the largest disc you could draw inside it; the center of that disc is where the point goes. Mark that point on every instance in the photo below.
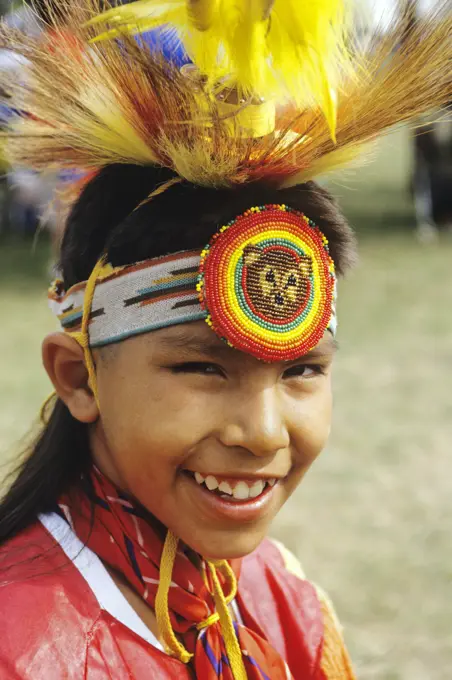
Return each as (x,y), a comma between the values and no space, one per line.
(272,48)
(88,103)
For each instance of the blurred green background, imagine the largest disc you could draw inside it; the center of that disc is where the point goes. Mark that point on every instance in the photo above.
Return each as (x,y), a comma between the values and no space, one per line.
(372,521)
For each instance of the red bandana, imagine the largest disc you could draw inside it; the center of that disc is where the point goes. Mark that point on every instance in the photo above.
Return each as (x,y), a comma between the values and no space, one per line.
(130,541)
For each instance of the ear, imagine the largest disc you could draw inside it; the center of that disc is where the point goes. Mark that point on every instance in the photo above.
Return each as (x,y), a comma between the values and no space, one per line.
(305,265)
(251,254)
(64,362)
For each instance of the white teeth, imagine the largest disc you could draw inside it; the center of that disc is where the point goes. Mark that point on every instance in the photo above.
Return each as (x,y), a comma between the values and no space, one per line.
(241,491)
(257,489)
(199,478)
(211,483)
(225,488)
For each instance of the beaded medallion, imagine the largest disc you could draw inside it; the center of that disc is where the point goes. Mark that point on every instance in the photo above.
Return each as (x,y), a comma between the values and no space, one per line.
(267,282)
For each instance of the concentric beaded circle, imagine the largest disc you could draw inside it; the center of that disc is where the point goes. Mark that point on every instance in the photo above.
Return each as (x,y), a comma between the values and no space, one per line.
(267,281)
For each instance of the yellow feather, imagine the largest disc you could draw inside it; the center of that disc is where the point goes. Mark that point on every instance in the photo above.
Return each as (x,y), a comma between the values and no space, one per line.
(145,16)
(201,13)
(283,49)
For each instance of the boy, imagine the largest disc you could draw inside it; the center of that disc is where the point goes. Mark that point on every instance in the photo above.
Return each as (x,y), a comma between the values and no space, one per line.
(193,371)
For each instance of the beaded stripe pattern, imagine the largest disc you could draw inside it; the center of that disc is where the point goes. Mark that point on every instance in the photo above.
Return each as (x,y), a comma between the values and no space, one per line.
(267,283)
(134,299)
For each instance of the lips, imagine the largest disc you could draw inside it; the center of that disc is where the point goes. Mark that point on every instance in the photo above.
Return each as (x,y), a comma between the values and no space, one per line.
(229,498)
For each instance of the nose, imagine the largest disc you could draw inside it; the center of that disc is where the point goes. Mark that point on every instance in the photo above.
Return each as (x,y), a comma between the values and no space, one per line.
(279,299)
(256,423)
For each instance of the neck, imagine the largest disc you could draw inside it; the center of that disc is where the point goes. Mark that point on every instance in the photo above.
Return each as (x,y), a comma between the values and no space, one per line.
(138,604)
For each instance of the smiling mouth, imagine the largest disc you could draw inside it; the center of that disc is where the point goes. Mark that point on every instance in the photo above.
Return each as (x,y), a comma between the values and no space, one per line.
(233,490)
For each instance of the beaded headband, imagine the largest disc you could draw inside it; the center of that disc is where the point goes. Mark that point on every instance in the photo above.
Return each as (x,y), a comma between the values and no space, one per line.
(265,284)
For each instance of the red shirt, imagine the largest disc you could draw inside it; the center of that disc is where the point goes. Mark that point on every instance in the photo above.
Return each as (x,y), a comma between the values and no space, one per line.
(54,628)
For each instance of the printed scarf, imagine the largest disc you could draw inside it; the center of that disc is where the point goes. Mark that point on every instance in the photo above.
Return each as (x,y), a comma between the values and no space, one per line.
(131,541)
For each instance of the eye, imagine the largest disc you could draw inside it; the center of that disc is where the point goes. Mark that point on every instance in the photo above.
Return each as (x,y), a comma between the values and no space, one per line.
(292,280)
(199,367)
(270,276)
(304,371)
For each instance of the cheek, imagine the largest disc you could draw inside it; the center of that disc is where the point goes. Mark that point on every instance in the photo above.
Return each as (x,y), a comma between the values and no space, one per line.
(138,422)
(312,425)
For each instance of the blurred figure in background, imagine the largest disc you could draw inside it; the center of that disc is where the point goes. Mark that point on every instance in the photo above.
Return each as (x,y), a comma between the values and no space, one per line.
(25,195)
(432,158)
(432,177)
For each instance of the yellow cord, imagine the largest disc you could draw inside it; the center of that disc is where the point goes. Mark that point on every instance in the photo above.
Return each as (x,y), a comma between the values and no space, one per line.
(213,618)
(231,642)
(172,644)
(160,190)
(45,404)
(83,336)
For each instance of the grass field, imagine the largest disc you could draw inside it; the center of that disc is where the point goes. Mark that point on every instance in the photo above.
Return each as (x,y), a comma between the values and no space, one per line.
(372,520)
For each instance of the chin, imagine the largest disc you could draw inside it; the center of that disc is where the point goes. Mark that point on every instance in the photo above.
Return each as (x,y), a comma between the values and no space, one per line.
(224,546)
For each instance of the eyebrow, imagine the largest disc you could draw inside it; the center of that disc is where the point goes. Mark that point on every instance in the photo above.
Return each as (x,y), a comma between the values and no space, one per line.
(187,342)
(190,343)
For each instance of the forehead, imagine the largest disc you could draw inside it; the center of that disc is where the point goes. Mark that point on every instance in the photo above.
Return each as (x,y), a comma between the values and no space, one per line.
(198,337)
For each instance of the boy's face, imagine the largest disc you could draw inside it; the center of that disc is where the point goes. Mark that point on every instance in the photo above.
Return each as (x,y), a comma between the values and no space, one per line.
(179,402)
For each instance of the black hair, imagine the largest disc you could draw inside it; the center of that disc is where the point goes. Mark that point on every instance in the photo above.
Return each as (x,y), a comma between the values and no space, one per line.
(112,217)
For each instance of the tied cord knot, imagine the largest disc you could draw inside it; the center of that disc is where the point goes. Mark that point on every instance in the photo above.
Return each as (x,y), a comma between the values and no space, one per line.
(213,618)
